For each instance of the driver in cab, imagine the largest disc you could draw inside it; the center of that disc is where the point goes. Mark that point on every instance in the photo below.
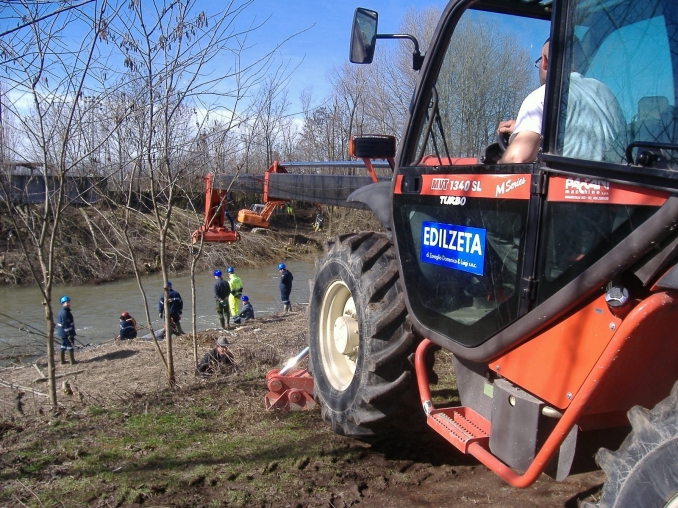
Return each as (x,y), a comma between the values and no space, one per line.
(594,126)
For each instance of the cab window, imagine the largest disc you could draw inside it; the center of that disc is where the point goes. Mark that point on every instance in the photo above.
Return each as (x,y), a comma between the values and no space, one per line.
(621,88)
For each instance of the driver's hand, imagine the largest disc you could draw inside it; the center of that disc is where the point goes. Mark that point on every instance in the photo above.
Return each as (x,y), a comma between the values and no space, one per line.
(506,127)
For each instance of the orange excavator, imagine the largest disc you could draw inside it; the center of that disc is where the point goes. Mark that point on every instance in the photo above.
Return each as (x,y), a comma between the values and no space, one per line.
(259,214)
(213,229)
(280,187)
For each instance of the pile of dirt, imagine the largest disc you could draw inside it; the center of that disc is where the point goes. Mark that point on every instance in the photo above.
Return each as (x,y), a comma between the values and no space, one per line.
(263,458)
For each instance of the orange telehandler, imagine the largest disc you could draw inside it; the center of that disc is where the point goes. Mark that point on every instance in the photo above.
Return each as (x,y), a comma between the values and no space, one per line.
(553,284)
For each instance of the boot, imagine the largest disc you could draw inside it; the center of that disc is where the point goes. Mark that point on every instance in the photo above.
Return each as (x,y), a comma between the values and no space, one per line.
(179,330)
(62,357)
(222,321)
(71,357)
(288,308)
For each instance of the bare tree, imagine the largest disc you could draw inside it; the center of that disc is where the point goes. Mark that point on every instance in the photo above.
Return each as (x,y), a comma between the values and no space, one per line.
(38,70)
(167,47)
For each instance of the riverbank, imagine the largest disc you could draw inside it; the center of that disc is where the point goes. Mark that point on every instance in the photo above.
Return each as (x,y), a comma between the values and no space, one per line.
(90,248)
(123,439)
(125,369)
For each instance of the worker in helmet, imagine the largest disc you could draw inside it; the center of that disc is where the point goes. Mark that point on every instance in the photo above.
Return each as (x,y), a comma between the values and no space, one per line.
(222,292)
(236,290)
(175,308)
(128,327)
(66,330)
(285,286)
(246,311)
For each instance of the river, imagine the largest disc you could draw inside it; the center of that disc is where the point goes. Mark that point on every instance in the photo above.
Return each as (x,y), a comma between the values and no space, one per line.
(96,308)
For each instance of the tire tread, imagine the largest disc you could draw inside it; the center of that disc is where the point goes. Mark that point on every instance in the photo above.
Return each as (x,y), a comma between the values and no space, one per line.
(385,374)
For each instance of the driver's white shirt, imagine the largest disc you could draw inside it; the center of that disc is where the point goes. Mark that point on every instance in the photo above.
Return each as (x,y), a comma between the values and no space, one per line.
(531,113)
(594,126)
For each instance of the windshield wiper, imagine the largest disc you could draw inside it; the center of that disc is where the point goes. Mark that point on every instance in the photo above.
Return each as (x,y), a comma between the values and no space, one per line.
(435,117)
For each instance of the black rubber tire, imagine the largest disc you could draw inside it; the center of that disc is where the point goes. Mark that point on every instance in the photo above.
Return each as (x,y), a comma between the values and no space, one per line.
(643,473)
(382,385)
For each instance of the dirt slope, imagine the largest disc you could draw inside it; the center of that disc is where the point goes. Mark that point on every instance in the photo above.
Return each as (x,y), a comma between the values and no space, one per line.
(123,439)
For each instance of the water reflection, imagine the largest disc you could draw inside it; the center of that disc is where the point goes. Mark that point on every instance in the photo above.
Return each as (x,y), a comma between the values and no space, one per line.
(96,308)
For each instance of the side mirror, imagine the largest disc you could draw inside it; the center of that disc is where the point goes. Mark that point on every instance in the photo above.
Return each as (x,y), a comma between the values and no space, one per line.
(363,36)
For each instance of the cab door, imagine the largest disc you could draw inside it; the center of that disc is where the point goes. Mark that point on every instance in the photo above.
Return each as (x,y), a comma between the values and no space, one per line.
(465,226)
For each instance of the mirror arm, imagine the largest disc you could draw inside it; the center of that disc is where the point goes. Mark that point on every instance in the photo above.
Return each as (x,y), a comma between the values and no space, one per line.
(417,57)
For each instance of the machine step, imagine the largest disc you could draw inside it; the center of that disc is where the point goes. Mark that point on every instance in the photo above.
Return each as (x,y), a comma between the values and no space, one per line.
(461,426)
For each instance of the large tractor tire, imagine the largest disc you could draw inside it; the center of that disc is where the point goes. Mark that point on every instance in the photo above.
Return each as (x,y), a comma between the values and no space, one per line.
(360,341)
(643,473)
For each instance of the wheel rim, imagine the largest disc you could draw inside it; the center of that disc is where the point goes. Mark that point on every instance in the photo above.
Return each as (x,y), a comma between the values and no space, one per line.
(338,335)
(673,502)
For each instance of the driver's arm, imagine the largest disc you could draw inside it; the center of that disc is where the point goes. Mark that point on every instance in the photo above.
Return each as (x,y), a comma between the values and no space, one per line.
(523,148)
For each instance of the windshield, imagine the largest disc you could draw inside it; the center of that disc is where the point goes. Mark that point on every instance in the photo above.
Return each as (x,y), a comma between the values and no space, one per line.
(487,71)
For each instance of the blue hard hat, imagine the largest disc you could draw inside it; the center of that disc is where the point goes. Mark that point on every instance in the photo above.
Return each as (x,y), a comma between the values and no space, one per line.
(229,269)
(244,298)
(217,273)
(169,284)
(281,266)
(64,299)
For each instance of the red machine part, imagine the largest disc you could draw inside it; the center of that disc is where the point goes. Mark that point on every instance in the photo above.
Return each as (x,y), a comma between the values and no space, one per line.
(370,147)
(467,430)
(293,391)
(213,228)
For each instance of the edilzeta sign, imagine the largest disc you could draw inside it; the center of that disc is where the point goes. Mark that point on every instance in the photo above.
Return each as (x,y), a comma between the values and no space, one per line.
(457,247)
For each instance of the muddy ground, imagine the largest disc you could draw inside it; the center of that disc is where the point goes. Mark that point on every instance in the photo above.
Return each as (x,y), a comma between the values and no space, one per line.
(93,451)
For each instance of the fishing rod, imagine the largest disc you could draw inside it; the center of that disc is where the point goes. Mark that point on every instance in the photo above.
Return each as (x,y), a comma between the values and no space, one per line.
(25,327)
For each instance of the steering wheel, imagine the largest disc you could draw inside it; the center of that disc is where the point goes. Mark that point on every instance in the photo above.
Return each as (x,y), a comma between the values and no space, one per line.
(495,151)
(503,140)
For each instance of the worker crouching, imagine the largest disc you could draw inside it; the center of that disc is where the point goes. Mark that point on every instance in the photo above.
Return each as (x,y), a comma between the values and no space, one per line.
(246,311)
(128,327)
(216,359)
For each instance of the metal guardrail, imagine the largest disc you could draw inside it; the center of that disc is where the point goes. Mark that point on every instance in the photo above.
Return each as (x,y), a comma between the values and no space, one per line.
(313,188)
(31,189)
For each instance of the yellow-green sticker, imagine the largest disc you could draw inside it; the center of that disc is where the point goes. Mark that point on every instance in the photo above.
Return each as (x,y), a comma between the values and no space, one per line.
(488,390)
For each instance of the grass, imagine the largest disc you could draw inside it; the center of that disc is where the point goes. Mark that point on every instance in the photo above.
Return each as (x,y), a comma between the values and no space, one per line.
(162,446)
(210,444)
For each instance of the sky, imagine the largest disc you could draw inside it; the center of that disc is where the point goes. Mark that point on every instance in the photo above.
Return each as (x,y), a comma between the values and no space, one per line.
(322,29)
(325,41)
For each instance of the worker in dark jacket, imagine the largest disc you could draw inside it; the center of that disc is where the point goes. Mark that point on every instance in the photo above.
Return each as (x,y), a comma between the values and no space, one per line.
(285,285)
(175,308)
(66,330)
(128,327)
(222,291)
(215,358)
(246,311)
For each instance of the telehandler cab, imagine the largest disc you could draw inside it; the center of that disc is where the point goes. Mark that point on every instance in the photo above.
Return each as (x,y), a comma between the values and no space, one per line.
(553,284)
